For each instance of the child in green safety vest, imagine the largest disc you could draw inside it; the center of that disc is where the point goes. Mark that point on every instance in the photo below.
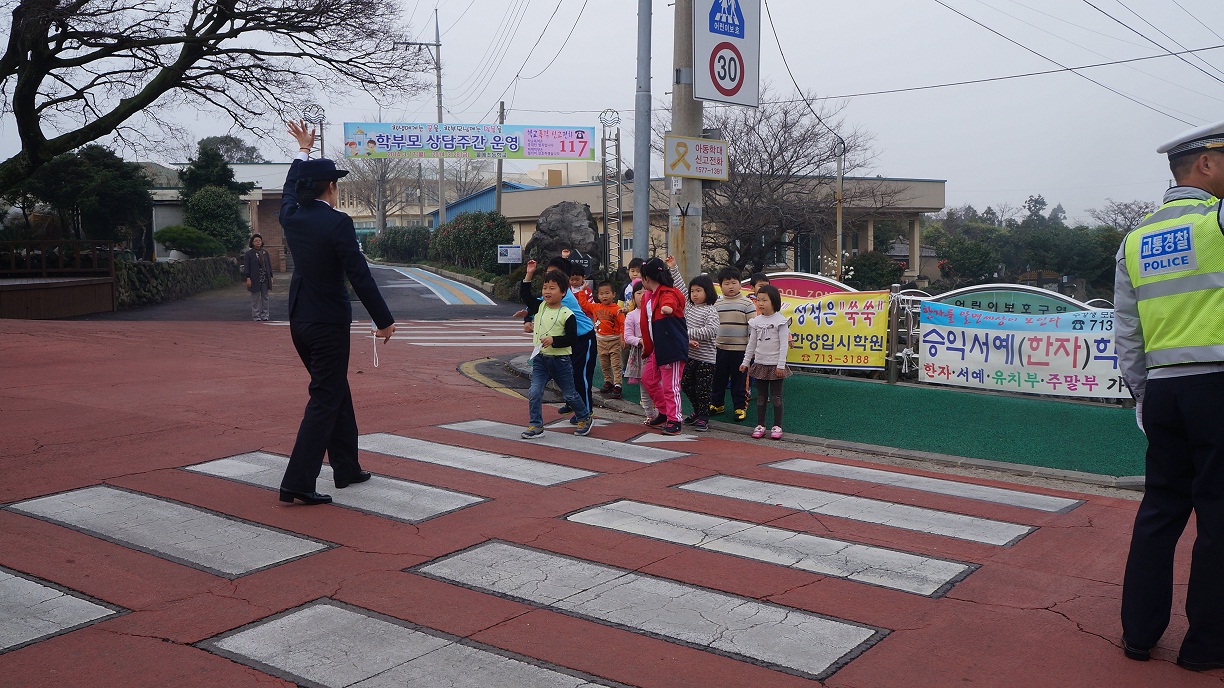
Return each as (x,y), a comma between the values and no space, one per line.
(554,333)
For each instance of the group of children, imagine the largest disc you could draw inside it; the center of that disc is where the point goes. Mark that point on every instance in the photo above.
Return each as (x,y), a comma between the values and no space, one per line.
(665,340)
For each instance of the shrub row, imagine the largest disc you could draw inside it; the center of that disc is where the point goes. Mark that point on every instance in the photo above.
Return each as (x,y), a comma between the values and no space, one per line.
(142,283)
(470,240)
(399,244)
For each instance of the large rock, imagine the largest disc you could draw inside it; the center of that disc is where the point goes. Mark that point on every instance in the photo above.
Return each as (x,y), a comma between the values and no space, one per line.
(565,225)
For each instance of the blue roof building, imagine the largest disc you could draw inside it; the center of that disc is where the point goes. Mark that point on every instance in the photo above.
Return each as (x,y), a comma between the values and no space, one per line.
(484,200)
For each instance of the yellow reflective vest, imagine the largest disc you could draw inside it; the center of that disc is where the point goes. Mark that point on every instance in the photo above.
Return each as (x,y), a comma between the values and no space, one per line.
(550,322)
(1175,261)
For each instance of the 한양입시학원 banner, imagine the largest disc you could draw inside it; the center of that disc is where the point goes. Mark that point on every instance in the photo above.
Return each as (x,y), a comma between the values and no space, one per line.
(838,330)
(1063,354)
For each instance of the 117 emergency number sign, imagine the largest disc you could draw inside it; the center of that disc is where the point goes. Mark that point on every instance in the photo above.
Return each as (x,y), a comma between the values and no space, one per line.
(726,51)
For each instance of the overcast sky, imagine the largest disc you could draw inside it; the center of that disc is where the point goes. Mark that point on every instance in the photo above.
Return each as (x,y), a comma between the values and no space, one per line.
(1060,135)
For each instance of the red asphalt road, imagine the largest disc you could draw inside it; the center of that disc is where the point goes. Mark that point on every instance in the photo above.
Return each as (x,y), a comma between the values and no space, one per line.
(126,403)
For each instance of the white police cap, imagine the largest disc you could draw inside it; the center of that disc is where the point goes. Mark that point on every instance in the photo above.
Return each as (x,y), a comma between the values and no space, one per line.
(1202,138)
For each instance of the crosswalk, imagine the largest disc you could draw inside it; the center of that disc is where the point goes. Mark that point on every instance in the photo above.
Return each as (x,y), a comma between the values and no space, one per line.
(504,335)
(687,513)
(772,634)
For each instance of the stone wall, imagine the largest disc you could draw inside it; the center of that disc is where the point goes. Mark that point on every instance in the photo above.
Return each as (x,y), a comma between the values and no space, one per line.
(142,283)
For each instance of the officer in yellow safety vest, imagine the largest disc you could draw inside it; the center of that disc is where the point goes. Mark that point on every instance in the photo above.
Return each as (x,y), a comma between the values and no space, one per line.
(1169,332)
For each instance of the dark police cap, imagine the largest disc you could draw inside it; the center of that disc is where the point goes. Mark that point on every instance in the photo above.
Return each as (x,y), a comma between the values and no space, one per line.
(320,169)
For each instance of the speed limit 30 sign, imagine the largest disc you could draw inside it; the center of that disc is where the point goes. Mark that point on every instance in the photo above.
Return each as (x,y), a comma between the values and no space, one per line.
(726,51)
(727,68)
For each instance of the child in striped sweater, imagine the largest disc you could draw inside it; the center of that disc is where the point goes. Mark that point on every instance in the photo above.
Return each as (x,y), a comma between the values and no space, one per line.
(702,320)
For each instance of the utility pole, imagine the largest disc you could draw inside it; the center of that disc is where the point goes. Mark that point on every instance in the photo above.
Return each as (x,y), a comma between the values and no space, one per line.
(421,191)
(441,161)
(841,157)
(437,55)
(641,137)
(497,193)
(684,239)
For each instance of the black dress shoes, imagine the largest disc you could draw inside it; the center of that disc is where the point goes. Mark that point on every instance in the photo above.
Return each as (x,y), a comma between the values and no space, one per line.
(1199,666)
(1135,653)
(304,497)
(359,478)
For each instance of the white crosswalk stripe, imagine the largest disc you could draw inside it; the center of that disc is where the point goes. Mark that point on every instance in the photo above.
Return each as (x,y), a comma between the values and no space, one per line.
(398,499)
(779,637)
(862,563)
(31,611)
(985,493)
(569,442)
(500,465)
(336,646)
(500,334)
(866,510)
(178,532)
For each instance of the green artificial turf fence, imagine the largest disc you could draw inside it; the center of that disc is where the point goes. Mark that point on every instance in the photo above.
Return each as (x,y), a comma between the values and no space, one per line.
(1029,431)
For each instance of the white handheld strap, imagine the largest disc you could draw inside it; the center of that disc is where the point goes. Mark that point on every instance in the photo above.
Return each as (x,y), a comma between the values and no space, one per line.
(374,331)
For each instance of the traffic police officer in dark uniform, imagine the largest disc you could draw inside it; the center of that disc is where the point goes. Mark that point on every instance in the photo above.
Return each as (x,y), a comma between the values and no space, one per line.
(325,249)
(1169,331)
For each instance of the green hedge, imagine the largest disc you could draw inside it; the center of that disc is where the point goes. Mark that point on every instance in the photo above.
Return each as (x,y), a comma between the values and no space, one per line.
(399,244)
(142,283)
(189,240)
(470,240)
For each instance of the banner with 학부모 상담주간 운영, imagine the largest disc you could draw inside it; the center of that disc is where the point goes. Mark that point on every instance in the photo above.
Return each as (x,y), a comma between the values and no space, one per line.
(838,330)
(1062,354)
(449,140)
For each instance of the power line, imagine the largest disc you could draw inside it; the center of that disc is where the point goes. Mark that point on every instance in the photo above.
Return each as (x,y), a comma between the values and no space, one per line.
(493,45)
(1148,39)
(1162,33)
(1200,21)
(525,60)
(950,84)
(461,15)
(1050,59)
(509,24)
(473,96)
(1079,45)
(563,44)
(1064,21)
(1015,76)
(840,141)
(488,74)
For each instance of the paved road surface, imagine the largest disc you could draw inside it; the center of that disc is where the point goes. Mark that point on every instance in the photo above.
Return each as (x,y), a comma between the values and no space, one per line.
(142,544)
(406,297)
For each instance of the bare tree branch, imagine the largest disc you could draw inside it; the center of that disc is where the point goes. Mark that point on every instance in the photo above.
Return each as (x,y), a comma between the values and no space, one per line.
(782,181)
(74,71)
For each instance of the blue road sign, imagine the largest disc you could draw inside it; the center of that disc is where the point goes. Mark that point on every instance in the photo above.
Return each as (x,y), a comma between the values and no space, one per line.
(726,18)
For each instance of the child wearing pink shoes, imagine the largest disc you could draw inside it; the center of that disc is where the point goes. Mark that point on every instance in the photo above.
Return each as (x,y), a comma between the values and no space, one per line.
(765,358)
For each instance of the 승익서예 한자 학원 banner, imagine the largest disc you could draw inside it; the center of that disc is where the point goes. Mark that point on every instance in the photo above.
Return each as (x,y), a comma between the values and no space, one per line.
(1063,354)
(838,330)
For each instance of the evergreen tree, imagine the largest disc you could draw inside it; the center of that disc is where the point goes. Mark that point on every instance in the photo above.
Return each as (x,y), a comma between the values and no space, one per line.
(211,195)
(234,149)
(95,193)
(210,169)
(217,212)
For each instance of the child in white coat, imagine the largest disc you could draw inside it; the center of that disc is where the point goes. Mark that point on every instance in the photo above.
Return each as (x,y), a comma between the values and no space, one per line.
(765,357)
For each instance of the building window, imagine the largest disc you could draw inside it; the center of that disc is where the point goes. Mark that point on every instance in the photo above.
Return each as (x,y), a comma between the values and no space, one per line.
(627,243)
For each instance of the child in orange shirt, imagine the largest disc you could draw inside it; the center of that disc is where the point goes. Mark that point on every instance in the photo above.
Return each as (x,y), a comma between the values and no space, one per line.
(609,328)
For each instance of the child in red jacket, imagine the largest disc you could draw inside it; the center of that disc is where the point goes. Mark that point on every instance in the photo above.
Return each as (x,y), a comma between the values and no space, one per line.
(664,344)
